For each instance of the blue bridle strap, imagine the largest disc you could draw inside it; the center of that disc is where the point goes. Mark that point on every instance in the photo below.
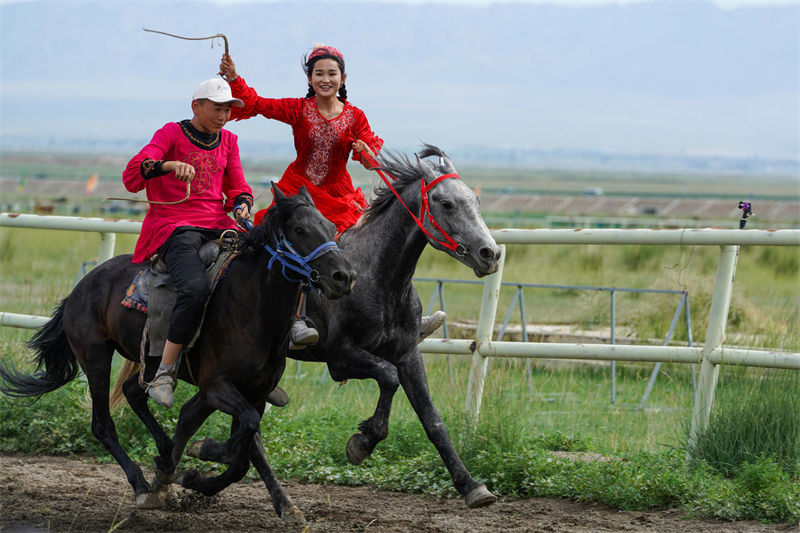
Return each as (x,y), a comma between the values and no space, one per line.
(285,254)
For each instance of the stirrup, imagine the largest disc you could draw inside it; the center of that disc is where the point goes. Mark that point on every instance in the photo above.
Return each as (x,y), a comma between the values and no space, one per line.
(429,324)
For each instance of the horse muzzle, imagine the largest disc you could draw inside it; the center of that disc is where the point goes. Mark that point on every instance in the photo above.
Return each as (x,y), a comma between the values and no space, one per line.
(485,260)
(337,284)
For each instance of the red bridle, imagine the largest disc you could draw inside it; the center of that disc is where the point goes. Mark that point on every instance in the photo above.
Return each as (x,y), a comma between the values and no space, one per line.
(424,208)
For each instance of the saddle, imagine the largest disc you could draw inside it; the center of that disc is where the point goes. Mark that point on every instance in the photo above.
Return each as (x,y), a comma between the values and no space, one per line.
(152,293)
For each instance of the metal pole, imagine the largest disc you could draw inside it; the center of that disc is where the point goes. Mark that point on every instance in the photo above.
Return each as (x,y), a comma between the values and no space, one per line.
(612,340)
(715,335)
(16,320)
(443,307)
(477,373)
(107,242)
(524,320)
(689,342)
(429,309)
(651,383)
(445,333)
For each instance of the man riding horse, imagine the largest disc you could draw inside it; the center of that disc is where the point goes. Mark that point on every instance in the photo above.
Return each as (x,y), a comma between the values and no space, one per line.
(199,153)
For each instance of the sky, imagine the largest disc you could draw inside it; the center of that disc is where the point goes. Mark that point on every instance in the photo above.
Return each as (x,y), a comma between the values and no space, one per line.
(647,77)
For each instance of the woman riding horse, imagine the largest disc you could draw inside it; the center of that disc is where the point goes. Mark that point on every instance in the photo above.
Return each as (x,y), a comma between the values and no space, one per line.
(326,129)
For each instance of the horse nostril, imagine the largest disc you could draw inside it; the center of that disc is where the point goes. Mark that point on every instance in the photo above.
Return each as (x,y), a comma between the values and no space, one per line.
(344,277)
(487,253)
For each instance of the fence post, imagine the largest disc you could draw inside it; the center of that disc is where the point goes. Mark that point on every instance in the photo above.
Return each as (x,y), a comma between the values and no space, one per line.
(612,339)
(477,372)
(107,243)
(715,335)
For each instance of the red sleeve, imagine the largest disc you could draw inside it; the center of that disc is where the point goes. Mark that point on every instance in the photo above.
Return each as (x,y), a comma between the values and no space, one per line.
(363,132)
(233,182)
(163,140)
(284,109)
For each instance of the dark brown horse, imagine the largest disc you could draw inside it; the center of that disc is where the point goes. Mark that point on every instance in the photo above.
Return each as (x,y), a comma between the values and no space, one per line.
(237,361)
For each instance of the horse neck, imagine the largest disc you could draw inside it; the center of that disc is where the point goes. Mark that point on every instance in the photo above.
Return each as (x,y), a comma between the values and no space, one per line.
(265,287)
(392,243)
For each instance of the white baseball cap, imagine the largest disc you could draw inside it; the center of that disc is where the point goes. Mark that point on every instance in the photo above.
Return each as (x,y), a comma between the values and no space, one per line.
(217,90)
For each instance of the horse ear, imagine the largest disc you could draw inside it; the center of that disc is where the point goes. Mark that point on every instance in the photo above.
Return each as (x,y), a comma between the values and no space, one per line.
(426,168)
(445,160)
(305,194)
(277,193)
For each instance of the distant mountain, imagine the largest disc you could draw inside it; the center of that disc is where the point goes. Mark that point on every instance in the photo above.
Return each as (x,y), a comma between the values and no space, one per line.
(533,83)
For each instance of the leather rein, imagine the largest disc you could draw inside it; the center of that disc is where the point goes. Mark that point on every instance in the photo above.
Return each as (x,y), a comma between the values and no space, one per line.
(424,210)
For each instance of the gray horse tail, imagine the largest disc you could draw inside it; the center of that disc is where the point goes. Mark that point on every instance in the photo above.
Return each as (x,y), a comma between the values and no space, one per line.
(54,355)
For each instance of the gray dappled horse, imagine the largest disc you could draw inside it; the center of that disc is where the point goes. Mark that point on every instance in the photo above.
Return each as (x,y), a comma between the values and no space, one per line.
(374,333)
(236,362)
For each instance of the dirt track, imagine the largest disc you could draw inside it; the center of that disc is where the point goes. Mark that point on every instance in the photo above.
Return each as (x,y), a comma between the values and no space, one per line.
(68,494)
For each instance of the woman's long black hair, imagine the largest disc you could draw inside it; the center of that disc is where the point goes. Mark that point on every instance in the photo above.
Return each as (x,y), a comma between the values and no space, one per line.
(308,68)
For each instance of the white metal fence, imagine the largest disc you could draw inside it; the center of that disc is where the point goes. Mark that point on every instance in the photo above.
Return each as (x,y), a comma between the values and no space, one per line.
(710,356)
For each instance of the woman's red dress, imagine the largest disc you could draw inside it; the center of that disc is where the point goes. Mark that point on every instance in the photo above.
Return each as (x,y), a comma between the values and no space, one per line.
(323,147)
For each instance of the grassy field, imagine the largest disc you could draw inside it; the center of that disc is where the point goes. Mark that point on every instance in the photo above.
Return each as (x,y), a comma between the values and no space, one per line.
(562,407)
(764,312)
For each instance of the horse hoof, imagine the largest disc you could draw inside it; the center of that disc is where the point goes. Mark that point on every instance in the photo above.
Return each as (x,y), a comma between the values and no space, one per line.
(293,515)
(479,497)
(184,478)
(150,500)
(196,447)
(355,452)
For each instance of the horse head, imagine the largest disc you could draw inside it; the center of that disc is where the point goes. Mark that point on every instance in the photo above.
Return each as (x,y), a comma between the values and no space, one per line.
(451,212)
(302,241)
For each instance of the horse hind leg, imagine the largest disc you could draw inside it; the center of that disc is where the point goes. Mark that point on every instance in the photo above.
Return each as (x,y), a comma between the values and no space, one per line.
(376,428)
(97,367)
(137,399)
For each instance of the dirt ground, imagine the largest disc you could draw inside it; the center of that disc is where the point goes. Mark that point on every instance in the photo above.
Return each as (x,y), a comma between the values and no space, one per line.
(70,494)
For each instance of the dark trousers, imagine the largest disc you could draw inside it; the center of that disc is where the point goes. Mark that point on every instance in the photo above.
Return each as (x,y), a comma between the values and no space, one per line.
(187,274)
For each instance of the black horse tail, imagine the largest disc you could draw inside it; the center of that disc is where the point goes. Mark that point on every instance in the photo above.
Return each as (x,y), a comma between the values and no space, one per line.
(53,354)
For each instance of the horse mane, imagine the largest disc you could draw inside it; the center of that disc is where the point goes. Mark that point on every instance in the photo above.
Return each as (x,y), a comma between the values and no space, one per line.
(406,171)
(271,224)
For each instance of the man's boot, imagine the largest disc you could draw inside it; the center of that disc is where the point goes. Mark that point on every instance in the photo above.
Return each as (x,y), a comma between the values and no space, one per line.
(160,389)
(431,323)
(301,335)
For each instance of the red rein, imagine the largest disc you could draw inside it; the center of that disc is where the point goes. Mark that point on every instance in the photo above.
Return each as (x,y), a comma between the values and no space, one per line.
(424,209)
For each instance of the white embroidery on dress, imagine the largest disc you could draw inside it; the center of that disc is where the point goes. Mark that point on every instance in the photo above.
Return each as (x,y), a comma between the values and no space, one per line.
(324,135)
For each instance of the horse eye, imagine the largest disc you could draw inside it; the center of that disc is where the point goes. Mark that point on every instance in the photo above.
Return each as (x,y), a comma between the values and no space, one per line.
(299,230)
(447,205)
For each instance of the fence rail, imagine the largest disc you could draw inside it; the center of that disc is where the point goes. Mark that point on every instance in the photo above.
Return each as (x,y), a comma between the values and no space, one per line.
(710,356)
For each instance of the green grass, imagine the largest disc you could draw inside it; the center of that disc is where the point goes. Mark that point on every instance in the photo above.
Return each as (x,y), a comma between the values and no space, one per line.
(754,422)
(562,406)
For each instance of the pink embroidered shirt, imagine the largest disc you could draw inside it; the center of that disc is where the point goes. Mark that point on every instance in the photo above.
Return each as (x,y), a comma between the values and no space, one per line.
(323,147)
(218,180)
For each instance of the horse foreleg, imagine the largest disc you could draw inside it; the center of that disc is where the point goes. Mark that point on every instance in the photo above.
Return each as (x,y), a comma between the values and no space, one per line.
(209,449)
(412,376)
(137,399)
(223,395)
(361,365)
(283,505)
